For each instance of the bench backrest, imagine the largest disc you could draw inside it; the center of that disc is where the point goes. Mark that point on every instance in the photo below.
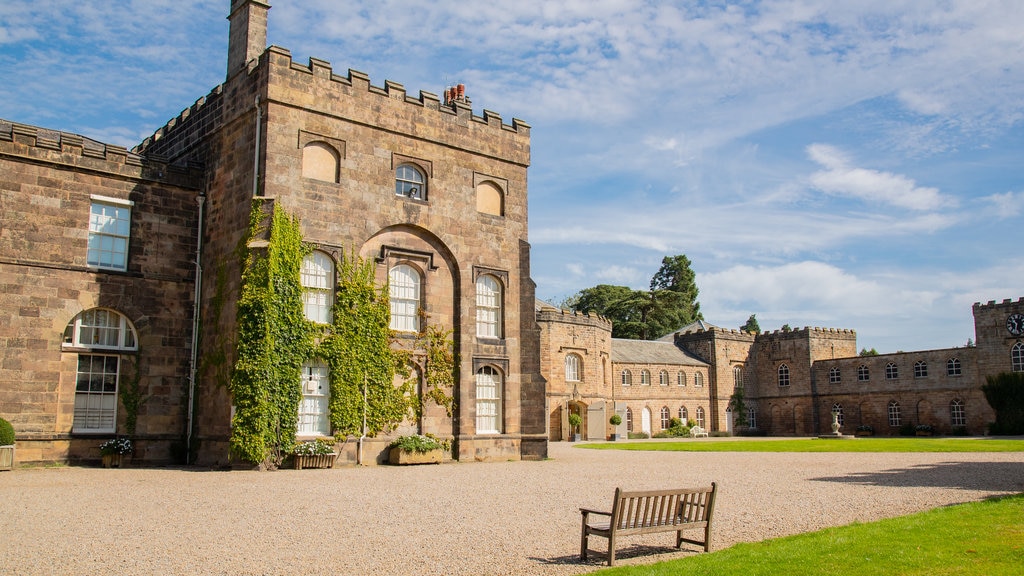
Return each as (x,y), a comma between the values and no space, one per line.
(662,507)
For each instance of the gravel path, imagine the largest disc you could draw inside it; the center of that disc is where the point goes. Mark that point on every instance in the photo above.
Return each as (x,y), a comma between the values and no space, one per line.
(479,519)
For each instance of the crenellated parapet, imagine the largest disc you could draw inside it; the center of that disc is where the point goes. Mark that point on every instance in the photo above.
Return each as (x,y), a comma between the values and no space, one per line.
(571,317)
(993,305)
(72,150)
(809,332)
(187,129)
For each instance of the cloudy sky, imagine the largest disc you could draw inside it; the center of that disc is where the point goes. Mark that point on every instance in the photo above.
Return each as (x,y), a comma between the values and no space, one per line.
(841,164)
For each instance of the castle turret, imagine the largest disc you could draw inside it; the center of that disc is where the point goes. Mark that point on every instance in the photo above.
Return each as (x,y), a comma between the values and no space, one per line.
(248,34)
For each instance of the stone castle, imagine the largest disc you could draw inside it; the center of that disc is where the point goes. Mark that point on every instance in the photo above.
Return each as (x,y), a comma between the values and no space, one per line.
(121,275)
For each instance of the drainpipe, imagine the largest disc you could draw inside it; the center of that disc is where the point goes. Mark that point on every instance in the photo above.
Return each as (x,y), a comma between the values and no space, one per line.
(193,368)
(256,153)
(359,454)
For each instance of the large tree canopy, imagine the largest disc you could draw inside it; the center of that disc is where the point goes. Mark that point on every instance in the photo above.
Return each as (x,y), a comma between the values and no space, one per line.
(670,303)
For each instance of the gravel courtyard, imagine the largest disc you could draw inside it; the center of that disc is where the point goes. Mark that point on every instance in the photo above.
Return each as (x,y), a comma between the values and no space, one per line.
(479,519)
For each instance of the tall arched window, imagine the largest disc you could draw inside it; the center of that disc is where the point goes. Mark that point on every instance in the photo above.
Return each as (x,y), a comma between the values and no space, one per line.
(317,287)
(920,369)
(316,393)
(1017,357)
(663,377)
(737,376)
(629,419)
(572,368)
(645,377)
(957,416)
(99,335)
(488,307)
(891,371)
(488,401)
(953,367)
(683,414)
(863,373)
(837,409)
(700,416)
(666,418)
(681,378)
(894,413)
(834,377)
(783,375)
(752,417)
(698,380)
(404,290)
(627,378)
(410,182)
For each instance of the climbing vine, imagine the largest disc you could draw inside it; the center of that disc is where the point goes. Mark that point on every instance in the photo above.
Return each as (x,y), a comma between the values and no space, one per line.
(274,338)
(358,352)
(439,379)
(130,392)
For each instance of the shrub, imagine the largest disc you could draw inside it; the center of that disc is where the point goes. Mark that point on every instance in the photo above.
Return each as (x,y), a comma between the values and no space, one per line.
(865,428)
(6,433)
(615,420)
(574,421)
(924,428)
(908,430)
(638,435)
(318,447)
(119,445)
(1005,393)
(421,443)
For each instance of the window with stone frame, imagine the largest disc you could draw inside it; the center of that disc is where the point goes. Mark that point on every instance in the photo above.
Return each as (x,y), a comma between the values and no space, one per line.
(109,232)
(488,401)
(404,291)
(1017,357)
(837,409)
(572,368)
(488,307)
(645,377)
(891,371)
(957,415)
(683,414)
(663,377)
(894,413)
(783,375)
(863,373)
(666,418)
(317,277)
(751,417)
(698,380)
(629,419)
(627,378)
(316,394)
(410,182)
(681,378)
(834,376)
(99,336)
(737,376)
(953,367)
(920,369)
(700,416)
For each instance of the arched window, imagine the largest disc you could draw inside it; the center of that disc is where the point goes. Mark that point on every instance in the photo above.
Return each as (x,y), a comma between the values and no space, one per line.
(627,378)
(320,162)
(698,380)
(572,368)
(833,375)
(645,377)
(663,378)
(837,409)
(629,419)
(404,290)
(891,371)
(957,416)
(752,417)
(863,374)
(683,415)
(894,413)
(108,333)
(920,369)
(700,416)
(1017,357)
(410,182)
(489,199)
(488,307)
(737,376)
(953,367)
(317,287)
(316,393)
(666,418)
(681,378)
(488,401)
(783,375)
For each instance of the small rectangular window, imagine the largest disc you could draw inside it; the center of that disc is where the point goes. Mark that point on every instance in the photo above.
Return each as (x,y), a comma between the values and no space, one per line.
(109,231)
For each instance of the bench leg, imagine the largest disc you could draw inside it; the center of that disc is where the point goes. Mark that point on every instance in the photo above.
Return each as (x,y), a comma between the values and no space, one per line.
(611,549)
(583,540)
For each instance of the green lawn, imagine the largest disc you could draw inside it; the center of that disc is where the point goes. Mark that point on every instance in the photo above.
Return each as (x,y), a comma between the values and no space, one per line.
(910,444)
(975,539)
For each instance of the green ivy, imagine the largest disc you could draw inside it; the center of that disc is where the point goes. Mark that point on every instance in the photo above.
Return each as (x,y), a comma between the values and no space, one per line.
(440,366)
(132,398)
(274,338)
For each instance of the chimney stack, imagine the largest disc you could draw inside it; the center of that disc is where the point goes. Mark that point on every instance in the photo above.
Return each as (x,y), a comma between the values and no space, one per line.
(247,38)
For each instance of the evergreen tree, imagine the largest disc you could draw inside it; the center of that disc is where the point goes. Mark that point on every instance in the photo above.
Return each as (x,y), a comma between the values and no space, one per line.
(751,326)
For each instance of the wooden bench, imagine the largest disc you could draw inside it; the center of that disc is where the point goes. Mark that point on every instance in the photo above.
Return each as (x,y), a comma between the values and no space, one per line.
(652,511)
(698,432)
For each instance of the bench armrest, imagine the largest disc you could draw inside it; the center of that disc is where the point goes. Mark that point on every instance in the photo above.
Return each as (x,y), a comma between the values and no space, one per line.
(586,511)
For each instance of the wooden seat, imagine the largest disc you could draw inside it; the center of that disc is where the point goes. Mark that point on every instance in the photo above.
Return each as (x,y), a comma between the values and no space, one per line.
(652,511)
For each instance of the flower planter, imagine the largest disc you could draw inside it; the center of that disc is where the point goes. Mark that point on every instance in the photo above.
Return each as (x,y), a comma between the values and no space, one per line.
(7,457)
(314,461)
(399,457)
(114,461)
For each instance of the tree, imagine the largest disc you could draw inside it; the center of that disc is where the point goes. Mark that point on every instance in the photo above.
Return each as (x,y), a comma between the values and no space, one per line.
(1005,394)
(751,325)
(866,352)
(675,275)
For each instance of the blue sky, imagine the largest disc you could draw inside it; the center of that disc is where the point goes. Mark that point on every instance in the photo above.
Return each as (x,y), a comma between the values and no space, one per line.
(840,164)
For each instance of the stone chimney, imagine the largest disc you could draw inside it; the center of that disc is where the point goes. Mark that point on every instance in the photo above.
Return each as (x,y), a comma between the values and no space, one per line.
(248,36)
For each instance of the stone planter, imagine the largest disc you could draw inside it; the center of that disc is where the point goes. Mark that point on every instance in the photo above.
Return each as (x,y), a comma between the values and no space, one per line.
(614,438)
(314,460)
(115,460)
(401,458)
(7,457)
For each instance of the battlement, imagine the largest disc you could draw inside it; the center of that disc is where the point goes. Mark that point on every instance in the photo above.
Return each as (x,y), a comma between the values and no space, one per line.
(569,316)
(1006,303)
(85,153)
(808,331)
(200,107)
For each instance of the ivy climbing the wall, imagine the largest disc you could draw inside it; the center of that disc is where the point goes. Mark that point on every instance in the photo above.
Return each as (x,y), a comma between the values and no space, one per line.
(274,338)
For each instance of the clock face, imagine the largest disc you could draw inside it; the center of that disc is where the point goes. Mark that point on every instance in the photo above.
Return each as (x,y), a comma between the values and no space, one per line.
(1015,324)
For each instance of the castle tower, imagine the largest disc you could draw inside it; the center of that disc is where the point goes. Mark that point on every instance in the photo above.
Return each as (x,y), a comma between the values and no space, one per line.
(248,34)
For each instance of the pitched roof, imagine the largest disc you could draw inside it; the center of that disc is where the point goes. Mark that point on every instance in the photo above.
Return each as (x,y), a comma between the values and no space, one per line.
(692,327)
(651,352)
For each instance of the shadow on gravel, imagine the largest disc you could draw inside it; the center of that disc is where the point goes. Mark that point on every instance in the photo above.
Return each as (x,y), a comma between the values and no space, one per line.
(988,476)
(600,557)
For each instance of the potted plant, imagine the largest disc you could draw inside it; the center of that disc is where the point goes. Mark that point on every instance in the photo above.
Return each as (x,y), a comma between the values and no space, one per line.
(924,430)
(6,445)
(317,453)
(114,451)
(418,449)
(865,430)
(615,420)
(574,426)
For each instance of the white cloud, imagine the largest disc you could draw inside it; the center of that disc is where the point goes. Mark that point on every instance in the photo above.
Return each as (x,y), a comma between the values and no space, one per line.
(614,274)
(1007,204)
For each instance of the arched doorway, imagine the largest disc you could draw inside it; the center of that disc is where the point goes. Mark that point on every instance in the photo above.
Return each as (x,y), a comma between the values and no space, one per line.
(645,421)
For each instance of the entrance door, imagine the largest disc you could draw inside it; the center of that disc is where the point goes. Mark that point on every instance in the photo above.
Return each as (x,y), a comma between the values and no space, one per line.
(595,421)
(645,423)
